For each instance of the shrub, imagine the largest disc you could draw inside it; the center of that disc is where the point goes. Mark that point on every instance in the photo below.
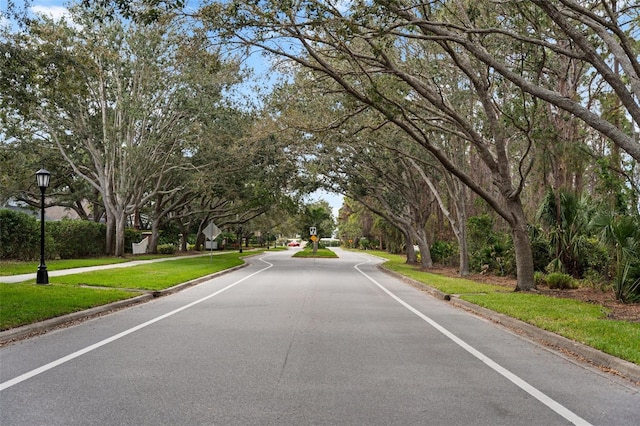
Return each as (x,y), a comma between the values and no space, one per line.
(555,266)
(497,257)
(131,236)
(364,244)
(539,278)
(540,247)
(441,251)
(166,249)
(626,285)
(560,281)
(169,234)
(78,238)
(489,250)
(19,236)
(596,258)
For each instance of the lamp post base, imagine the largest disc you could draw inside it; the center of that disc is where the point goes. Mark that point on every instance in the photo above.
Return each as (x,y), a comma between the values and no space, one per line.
(42,277)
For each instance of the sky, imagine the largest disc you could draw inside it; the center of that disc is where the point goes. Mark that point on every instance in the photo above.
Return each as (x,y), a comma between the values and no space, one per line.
(56,9)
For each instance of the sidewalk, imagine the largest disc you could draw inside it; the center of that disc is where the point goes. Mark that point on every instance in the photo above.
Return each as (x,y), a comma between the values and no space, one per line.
(25,277)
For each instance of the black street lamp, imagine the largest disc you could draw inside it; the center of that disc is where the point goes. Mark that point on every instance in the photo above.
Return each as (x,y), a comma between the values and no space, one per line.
(241,238)
(43,177)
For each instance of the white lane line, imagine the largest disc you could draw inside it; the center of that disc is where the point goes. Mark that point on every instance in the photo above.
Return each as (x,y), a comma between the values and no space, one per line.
(539,395)
(111,339)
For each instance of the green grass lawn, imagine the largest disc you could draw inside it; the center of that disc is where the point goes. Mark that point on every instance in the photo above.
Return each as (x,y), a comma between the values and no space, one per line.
(583,322)
(154,276)
(27,302)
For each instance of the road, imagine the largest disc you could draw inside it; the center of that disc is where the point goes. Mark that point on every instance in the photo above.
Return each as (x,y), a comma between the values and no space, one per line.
(298,342)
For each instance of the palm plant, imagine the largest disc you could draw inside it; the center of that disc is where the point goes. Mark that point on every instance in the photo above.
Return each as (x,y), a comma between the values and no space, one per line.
(566,217)
(622,235)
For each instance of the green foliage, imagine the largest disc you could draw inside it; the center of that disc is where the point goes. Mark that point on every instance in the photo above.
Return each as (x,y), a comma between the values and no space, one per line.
(621,233)
(19,236)
(317,214)
(567,216)
(170,234)
(166,249)
(489,250)
(627,284)
(442,251)
(131,236)
(78,238)
(555,266)
(364,244)
(539,278)
(557,280)
(596,259)
(540,248)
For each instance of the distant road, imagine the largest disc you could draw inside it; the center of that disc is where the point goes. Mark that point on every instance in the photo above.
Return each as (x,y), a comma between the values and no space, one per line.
(298,342)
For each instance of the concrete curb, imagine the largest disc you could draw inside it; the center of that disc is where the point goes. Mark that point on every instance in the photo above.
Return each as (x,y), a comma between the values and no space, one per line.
(576,350)
(42,327)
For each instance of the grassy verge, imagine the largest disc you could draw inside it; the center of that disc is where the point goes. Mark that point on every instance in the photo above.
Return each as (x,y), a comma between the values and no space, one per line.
(17,268)
(27,302)
(154,276)
(579,321)
(320,253)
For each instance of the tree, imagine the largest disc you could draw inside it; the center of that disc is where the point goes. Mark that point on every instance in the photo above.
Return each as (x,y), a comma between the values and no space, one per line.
(405,87)
(600,36)
(317,214)
(115,97)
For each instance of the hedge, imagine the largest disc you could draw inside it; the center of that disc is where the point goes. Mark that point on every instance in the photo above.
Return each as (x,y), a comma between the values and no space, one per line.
(78,238)
(66,239)
(19,235)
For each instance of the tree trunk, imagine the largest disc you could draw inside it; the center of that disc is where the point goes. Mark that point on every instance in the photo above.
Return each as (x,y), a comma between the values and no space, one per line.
(200,240)
(425,252)
(463,248)
(121,221)
(522,247)
(183,242)
(461,234)
(411,253)
(111,232)
(155,236)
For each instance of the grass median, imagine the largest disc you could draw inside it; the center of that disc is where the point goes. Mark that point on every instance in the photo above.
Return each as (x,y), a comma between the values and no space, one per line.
(583,322)
(320,253)
(27,302)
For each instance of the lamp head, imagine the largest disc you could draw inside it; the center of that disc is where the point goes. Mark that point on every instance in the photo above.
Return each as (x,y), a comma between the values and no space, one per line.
(43,177)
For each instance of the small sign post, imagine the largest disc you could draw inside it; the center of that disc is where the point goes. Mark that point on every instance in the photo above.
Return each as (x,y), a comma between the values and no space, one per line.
(211,232)
(314,238)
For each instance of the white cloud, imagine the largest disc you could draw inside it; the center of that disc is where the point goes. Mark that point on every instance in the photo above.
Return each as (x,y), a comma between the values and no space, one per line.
(55,12)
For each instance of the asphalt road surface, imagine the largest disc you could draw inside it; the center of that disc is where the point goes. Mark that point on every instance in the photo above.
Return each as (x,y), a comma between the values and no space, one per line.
(301,342)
